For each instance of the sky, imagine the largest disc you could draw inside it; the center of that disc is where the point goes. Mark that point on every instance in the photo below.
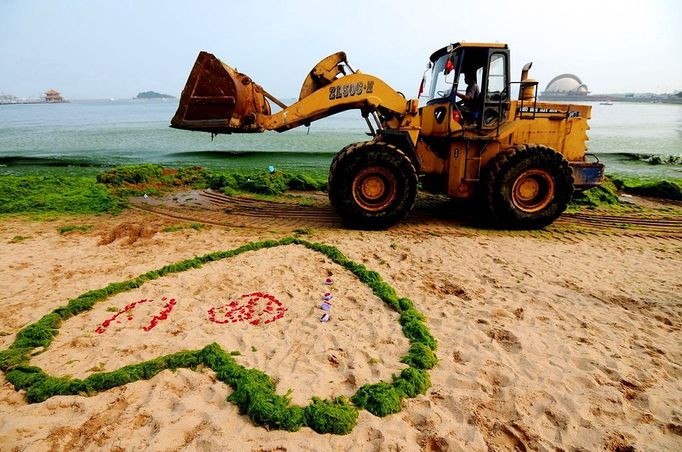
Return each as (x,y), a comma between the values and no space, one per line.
(89,49)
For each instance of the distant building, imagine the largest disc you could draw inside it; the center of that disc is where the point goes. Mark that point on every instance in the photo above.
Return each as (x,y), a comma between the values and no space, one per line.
(565,87)
(53,96)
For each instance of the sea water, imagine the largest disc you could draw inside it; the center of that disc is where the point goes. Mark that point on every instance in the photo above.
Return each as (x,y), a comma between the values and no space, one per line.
(85,137)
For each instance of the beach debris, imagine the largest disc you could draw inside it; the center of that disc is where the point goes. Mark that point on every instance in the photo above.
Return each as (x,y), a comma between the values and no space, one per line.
(234,311)
(145,196)
(133,230)
(271,169)
(326,305)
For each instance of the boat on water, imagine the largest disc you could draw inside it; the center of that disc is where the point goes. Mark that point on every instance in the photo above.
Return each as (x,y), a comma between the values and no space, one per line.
(606,102)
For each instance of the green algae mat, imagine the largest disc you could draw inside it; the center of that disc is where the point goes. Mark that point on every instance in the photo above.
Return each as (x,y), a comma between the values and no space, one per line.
(253,390)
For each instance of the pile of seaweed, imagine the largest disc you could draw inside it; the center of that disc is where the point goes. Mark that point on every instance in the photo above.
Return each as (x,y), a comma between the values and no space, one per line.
(56,194)
(155,179)
(110,191)
(607,194)
(652,188)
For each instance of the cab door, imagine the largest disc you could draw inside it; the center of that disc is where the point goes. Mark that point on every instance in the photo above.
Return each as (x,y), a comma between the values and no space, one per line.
(496,89)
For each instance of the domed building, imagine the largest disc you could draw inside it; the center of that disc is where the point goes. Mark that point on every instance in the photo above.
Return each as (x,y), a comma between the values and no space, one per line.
(566,86)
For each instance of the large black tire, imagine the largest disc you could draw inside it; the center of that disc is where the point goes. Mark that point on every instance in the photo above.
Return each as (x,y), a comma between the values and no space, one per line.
(526,187)
(372,185)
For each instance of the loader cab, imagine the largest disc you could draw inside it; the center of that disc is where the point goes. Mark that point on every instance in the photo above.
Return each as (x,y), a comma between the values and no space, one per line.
(487,110)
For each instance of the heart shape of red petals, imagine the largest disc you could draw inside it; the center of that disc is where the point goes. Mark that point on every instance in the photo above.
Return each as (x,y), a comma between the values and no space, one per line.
(251,312)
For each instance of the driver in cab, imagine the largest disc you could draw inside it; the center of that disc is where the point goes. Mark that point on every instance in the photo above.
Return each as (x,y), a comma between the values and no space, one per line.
(472,90)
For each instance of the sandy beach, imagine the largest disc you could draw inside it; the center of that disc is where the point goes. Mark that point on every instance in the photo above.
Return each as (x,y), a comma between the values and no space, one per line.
(545,341)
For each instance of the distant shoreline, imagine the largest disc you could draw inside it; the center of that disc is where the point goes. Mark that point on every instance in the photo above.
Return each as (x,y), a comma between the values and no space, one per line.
(32,102)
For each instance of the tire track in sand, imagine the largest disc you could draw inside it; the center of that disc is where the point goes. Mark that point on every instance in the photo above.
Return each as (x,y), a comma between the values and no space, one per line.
(430,216)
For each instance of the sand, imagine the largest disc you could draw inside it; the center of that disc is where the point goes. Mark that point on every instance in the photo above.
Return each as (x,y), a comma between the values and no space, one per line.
(544,344)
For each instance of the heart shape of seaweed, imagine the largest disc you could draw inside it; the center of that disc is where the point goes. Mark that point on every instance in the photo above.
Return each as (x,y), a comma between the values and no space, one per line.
(254,392)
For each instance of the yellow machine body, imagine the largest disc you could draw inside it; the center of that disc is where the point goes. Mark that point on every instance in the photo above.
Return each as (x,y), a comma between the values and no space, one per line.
(448,151)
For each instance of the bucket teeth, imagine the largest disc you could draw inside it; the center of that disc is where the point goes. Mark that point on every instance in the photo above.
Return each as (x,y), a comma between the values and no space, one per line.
(218,99)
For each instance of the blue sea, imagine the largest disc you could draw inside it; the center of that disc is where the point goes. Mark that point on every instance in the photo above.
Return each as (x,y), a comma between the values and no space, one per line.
(85,137)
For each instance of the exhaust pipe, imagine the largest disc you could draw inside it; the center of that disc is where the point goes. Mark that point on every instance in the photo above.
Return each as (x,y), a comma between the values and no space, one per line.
(528,85)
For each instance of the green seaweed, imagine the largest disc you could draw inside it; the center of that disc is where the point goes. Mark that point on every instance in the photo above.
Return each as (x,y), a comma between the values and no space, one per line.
(604,194)
(14,357)
(411,382)
(607,193)
(380,399)
(335,416)
(75,227)
(253,390)
(653,188)
(23,377)
(255,396)
(133,174)
(139,179)
(303,231)
(420,356)
(405,304)
(109,190)
(55,194)
(39,334)
(415,330)
(48,387)
(264,183)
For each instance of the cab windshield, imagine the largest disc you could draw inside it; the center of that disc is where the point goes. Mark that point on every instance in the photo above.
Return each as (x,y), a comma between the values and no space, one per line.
(443,76)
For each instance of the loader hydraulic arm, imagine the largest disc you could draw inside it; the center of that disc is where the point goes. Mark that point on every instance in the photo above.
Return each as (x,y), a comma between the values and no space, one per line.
(356,91)
(218,99)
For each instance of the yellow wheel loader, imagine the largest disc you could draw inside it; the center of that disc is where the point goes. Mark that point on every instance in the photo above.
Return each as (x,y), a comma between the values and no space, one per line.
(520,159)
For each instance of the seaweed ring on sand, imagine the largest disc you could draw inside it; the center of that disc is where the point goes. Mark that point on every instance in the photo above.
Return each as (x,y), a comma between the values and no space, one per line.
(254,392)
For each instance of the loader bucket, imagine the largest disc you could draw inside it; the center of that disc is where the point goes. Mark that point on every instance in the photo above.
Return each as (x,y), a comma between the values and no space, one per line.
(218,99)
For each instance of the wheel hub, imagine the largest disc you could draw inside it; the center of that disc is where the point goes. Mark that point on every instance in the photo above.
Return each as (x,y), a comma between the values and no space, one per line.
(374,188)
(533,190)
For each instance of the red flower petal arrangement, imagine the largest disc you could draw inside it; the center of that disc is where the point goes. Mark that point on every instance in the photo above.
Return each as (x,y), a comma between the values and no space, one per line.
(163,315)
(235,311)
(128,309)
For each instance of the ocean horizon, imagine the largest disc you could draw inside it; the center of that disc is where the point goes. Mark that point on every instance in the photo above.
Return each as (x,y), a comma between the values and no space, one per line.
(84,137)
